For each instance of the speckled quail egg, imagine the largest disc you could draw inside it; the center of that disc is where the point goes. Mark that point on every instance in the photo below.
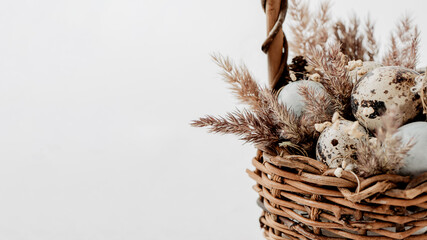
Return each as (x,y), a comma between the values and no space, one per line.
(359,72)
(416,160)
(337,143)
(383,88)
(290,95)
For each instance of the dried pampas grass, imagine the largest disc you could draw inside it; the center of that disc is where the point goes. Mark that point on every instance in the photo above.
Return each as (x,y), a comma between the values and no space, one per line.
(350,38)
(323,49)
(242,84)
(331,63)
(356,43)
(386,153)
(318,108)
(258,128)
(267,123)
(404,45)
(371,45)
(308,29)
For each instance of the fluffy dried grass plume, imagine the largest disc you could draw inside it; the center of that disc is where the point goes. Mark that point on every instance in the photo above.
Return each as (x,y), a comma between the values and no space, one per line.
(242,84)
(356,43)
(386,153)
(404,45)
(308,28)
(315,29)
(267,123)
(318,108)
(259,129)
(371,45)
(331,63)
(350,38)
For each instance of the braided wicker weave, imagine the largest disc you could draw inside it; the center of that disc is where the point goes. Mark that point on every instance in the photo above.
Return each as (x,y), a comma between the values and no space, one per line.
(303,199)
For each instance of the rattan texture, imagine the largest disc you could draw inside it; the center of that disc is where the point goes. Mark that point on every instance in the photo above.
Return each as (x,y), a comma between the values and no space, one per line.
(302,198)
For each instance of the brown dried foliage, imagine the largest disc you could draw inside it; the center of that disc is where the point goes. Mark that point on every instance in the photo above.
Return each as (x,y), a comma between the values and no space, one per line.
(350,39)
(253,128)
(290,127)
(331,63)
(318,108)
(313,29)
(371,45)
(308,29)
(267,123)
(387,153)
(356,43)
(404,45)
(241,81)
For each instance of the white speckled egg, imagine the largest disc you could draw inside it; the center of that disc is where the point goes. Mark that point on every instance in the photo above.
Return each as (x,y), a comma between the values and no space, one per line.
(416,160)
(382,88)
(290,95)
(335,143)
(359,72)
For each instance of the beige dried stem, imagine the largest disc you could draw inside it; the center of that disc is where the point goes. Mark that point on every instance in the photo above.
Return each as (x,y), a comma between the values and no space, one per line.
(404,45)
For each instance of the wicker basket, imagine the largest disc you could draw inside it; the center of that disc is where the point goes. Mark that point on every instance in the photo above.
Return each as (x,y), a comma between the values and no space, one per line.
(303,199)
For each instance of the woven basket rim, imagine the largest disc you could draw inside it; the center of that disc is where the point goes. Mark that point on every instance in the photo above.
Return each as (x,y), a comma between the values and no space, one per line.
(290,184)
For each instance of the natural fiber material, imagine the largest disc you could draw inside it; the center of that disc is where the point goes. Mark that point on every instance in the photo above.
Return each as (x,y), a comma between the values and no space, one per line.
(303,199)
(276,44)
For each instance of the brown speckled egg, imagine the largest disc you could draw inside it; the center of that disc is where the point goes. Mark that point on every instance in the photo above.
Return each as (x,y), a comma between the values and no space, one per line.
(335,143)
(383,88)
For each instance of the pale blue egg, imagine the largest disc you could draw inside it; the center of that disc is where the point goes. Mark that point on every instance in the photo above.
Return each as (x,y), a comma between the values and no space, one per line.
(290,95)
(416,160)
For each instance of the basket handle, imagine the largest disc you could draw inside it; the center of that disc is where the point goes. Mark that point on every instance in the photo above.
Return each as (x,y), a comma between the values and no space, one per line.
(276,44)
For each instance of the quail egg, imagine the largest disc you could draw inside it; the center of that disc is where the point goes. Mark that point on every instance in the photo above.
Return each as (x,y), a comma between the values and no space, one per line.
(338,142)
(358,72)
(383,88)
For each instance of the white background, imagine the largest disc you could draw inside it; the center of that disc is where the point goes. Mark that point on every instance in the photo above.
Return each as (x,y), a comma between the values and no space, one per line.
(95,103)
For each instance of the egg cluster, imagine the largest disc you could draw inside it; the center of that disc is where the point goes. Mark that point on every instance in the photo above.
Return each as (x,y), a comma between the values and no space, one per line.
(376,88)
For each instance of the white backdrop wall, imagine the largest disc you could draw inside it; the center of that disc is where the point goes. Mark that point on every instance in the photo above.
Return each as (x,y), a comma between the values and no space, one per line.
(95,103)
